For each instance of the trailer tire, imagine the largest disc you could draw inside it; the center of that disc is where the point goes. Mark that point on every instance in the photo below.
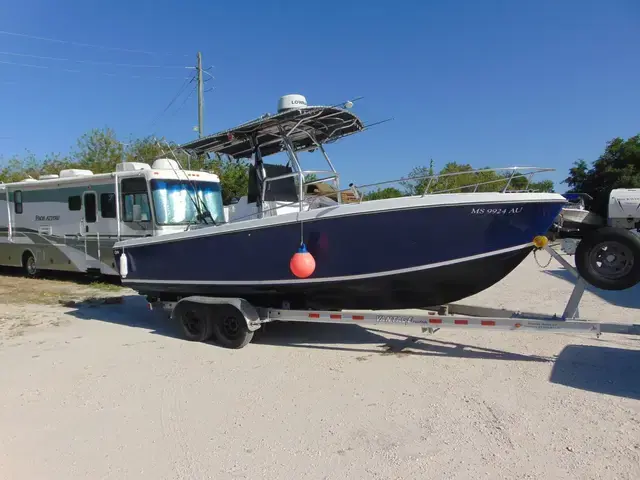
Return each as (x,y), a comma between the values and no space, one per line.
(230,327)
(196,324)
(29,264)
(620,267)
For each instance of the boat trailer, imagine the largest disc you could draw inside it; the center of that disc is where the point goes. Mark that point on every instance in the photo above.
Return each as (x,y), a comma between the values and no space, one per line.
(233,321)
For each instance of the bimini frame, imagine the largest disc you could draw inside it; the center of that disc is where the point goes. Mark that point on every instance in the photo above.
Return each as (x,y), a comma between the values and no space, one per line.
(290,131)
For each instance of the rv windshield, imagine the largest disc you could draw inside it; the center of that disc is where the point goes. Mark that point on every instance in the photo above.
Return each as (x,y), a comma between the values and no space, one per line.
(174,200)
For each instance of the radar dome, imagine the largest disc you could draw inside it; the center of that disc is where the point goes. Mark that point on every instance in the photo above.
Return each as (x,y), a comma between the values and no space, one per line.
(291,102)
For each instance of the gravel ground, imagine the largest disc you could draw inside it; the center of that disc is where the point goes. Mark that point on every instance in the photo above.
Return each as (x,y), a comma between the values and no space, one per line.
(110,391)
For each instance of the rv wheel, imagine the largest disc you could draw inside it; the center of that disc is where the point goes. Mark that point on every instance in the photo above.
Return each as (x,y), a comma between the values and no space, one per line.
(29,264)
(196,326)
(230,327)
(609,258)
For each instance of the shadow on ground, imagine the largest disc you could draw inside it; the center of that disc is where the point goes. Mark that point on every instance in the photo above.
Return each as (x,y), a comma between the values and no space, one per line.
(327,336)
(133,312)
(629,298)
(608,370)
(130,311)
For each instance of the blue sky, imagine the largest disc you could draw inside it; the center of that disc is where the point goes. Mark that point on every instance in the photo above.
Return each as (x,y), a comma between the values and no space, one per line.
(490,83)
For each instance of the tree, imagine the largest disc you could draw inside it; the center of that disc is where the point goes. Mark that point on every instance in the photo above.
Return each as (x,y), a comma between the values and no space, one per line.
(617,167)
(521,182)
(19,168)
(312,177)
(99,151)
(542,186)
(453,177)
(234,177)
(577,174)
(146,150)
(53,163)
(381,193)
(418,179)
(14,170)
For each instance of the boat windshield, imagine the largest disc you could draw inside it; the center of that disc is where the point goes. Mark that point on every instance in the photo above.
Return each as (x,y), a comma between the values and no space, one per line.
(174,201)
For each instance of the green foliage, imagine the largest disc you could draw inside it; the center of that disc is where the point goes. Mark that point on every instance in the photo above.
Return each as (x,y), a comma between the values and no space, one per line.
(312,177)
(418,183)
(234,177)
(146,150)
(617,167)
(543,186)
(577,174)
(521,183)
(382,193)
(457,180)
(98,151)
(53,163)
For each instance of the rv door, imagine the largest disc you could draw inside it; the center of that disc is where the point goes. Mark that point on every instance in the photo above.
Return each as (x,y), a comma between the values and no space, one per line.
(90,231)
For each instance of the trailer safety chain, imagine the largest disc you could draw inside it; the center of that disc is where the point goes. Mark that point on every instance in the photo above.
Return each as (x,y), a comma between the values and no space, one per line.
(535,256)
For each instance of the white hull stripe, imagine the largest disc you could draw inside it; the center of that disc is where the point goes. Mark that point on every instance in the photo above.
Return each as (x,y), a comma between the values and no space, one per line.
(331,279)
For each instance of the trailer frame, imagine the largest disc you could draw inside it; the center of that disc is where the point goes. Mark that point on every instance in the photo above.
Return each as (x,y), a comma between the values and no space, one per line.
(233,321)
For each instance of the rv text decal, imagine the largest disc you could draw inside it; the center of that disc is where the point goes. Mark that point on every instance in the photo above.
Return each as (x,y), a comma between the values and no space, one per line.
(48,218)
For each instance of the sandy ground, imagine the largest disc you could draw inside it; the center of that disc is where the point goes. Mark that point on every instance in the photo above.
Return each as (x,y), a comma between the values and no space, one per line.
(110,391)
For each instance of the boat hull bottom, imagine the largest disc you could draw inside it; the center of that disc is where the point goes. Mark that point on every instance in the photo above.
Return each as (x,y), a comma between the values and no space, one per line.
(418,289)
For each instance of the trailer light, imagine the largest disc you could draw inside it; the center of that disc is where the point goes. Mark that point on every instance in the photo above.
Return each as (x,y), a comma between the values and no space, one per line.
(540,241)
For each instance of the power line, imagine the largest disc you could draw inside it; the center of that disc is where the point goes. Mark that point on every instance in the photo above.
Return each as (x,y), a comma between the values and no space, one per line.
(90,62)
(46,67)
(184,101)
(175,97)
(80,44)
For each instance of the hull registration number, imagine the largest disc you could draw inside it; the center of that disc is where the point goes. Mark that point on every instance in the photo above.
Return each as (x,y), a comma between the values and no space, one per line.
(497,211)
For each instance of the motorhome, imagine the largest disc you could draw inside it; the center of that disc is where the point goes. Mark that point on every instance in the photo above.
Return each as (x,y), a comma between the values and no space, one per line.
(71,220)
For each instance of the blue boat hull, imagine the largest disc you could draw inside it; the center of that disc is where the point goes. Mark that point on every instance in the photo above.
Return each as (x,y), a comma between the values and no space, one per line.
(383,260)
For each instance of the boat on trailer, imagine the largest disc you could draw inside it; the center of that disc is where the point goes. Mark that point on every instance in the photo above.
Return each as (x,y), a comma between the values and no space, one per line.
(396,253)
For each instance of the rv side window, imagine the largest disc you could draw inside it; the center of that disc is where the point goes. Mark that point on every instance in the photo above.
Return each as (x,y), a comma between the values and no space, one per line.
(75,203)
(108,205)
(17,201)
(139,199)
(134,192)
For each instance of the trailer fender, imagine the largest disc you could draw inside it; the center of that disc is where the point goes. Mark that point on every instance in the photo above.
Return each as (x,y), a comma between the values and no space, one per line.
(248,311)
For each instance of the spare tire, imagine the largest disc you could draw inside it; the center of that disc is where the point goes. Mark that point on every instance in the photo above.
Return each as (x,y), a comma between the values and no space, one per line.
(609,258)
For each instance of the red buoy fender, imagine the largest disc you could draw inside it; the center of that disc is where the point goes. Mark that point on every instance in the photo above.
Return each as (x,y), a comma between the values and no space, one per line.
(302,263)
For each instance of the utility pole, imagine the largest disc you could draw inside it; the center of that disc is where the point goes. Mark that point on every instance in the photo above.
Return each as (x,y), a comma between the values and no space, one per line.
(200,96)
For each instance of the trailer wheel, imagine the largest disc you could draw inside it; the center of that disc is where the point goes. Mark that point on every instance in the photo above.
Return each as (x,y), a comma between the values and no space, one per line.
(230,327)
(29,264)
(609,258)
(196,324)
